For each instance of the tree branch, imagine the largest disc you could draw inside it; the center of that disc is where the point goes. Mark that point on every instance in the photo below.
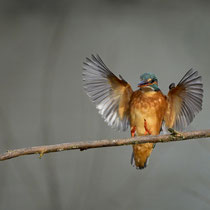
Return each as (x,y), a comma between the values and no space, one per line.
(174,136)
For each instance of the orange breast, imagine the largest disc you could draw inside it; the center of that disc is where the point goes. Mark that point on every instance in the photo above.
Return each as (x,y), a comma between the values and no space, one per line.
(149,106)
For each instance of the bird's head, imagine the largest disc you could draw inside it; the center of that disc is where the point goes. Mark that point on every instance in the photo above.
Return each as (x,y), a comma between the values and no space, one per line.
(149,80)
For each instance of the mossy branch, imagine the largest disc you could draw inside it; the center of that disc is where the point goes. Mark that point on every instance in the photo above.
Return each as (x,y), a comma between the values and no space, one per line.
(41,150)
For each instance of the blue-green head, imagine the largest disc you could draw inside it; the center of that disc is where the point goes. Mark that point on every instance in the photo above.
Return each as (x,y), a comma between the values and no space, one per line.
(149,80)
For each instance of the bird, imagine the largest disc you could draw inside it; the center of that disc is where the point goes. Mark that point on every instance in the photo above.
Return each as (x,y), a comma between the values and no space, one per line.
(145,111)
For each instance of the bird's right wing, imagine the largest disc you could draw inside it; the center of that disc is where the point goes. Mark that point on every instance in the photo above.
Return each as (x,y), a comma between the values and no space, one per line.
(110,94)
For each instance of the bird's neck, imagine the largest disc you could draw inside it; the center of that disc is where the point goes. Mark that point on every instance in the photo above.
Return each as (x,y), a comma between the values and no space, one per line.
(151,88)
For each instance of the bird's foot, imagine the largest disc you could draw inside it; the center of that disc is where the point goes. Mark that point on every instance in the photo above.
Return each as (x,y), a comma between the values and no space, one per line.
(147,131)
(133,131)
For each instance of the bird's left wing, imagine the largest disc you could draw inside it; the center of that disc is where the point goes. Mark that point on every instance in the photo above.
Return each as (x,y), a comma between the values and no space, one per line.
(184,101)
(110,94)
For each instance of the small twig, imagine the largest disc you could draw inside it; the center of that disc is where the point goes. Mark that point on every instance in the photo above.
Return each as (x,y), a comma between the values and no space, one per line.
(41,150)
(175,133)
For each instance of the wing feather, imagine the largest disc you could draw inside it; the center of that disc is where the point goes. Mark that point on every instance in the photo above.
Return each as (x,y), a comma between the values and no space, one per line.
(110,94)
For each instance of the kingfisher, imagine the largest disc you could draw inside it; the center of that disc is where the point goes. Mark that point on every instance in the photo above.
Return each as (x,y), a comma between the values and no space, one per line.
(145,111)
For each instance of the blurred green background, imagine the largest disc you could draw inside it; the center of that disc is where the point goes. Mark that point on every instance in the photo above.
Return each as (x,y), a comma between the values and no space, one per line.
(42,46)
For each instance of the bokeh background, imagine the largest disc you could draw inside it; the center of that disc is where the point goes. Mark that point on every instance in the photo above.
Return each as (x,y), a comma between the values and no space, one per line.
(42,46)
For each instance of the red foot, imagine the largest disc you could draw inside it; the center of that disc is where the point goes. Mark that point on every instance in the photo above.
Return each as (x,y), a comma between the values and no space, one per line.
(147,131)
(133,130)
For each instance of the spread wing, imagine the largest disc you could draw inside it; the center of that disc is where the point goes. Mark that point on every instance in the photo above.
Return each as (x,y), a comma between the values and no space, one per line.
(184,101)
(110,94)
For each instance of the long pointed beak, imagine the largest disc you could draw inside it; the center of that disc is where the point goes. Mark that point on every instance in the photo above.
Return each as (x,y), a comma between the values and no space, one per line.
(142,83)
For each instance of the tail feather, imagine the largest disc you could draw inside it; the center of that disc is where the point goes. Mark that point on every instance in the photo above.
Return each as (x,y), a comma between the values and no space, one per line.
(141,153)
(132,159)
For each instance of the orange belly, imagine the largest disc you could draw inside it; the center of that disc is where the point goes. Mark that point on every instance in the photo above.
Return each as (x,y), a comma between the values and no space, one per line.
(146,106)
